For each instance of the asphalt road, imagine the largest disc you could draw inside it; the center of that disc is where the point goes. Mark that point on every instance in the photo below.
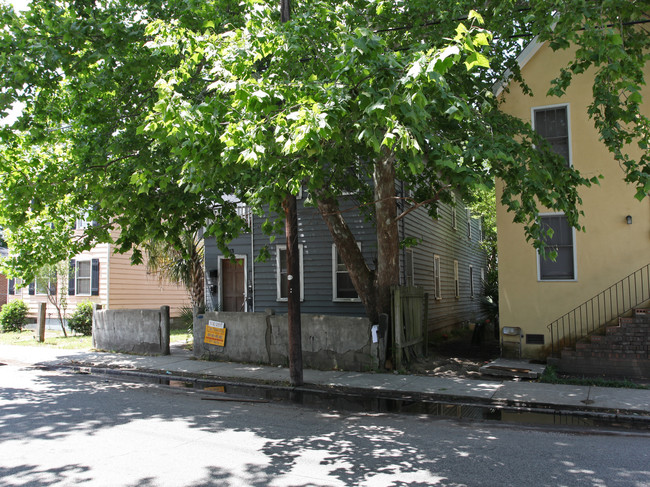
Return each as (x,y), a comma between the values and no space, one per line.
(62,429)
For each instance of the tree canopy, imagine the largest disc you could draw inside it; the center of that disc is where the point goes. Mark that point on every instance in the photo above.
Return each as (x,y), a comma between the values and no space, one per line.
(157,119)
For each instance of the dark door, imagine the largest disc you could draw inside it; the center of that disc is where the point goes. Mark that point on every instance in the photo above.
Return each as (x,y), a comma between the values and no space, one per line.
(232,281)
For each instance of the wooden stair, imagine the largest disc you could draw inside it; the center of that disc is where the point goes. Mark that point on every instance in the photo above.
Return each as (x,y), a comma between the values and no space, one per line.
(622,352)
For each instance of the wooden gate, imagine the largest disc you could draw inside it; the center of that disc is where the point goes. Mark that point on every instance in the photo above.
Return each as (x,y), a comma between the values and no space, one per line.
(409,315)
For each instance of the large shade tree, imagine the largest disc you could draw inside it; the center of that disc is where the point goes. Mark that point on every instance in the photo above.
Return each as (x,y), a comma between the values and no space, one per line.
(151,118)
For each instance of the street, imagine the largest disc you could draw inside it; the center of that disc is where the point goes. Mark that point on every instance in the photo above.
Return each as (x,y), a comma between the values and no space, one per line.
(63,429)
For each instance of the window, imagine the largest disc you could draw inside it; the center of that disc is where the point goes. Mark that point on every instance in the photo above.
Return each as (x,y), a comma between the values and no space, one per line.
(469,223)
(436,277)
(45,286)
(471,281)
(481,236)
(82,283)
(282,279)
(456,280)
(84,277)
(408,268)
(552,123)
(343,289)
(562,242)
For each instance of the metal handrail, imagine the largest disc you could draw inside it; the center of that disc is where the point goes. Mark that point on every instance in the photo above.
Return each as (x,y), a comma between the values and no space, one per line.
(613,302)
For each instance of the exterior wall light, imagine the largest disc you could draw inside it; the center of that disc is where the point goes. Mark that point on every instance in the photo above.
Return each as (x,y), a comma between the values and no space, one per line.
(628,219)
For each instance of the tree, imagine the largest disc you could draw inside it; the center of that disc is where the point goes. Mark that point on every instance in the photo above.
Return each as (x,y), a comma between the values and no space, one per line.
(154,116)
(182,263)
(47,282)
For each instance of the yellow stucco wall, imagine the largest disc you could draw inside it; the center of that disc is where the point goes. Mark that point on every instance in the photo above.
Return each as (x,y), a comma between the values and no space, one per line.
(609,250)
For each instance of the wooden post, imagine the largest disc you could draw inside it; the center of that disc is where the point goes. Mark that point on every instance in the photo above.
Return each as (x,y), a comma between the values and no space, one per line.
(293,287)
(397,327)
(41,321)
(165,329)
(293,267)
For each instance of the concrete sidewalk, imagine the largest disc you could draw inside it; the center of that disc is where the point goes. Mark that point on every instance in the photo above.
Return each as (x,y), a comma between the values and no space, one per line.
(182,363)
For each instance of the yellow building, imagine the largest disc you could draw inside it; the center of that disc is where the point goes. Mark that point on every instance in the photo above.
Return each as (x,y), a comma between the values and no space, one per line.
(594,274)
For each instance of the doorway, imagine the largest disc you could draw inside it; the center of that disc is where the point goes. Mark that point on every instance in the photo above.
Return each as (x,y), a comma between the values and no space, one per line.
(232,292)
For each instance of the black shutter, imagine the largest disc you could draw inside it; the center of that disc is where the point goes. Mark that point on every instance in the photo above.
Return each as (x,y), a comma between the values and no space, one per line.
(32,288)
(94,278)
(71,278)
(12,286)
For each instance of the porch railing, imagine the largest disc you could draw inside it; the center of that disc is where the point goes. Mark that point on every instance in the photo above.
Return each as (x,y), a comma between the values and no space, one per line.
(613,302)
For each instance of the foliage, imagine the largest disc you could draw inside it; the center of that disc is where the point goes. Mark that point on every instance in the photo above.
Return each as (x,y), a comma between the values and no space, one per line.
(81,320)
(156,119)
(181,262)
(489,299)
(550,377)
(13,315)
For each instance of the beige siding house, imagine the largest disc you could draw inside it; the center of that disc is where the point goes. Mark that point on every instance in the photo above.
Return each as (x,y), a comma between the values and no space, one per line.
(582,285)
(105,278)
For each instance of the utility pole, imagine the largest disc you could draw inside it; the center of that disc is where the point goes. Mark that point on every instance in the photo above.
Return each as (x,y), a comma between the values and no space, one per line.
(293,268)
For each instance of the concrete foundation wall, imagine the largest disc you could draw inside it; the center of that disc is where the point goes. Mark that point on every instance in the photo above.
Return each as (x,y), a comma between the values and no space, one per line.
(144,331)
(328,342)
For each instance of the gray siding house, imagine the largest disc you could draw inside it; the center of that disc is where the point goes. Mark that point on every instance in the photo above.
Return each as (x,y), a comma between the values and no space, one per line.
(448,263)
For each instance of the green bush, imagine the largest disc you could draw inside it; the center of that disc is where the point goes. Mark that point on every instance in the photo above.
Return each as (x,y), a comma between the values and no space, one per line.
(81,320)
(13,316)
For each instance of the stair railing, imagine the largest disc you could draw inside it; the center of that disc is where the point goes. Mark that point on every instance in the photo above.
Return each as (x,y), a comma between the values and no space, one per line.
(613,302)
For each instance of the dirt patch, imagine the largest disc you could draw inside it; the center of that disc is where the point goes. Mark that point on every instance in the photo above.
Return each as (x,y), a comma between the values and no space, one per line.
(460,356)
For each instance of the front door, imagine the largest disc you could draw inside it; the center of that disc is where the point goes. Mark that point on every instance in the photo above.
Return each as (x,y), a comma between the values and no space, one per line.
(232,282)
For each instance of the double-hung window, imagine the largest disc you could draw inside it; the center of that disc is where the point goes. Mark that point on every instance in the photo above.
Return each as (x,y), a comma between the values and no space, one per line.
(343,289)
(561,241)
(552,123)
(84,277)
(282,278)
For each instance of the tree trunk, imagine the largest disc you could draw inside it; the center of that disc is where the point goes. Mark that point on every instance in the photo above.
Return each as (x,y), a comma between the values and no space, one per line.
(387,230)
(373,287)
(346,245)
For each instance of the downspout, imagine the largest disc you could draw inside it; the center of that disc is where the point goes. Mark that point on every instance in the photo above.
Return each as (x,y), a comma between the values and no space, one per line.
(252,262)
(400,205)
(108,274)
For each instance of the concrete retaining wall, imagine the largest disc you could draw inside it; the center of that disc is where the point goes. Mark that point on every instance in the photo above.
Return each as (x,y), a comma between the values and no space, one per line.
(144,331)
(328,342)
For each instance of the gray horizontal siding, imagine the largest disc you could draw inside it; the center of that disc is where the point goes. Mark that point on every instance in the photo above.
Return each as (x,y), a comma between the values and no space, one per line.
(438,237)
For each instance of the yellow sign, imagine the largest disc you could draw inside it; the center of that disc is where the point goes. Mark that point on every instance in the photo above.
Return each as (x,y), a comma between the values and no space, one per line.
(215,336)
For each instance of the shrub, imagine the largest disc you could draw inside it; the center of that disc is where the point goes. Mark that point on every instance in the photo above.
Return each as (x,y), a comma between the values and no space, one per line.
(13,316)
(81,320)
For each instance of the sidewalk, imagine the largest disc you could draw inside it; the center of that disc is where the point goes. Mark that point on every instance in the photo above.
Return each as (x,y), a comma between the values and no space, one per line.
(182,363)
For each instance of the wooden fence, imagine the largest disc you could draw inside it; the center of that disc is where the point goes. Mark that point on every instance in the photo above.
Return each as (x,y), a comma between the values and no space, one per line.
(409,315)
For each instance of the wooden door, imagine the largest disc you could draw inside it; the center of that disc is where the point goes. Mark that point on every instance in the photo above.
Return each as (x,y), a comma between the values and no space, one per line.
(233,285)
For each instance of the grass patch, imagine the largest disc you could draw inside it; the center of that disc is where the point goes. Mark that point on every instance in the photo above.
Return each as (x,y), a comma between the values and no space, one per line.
(55,339)
(550,377)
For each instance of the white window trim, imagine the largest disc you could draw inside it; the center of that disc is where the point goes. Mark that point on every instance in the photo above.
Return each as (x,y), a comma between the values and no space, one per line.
(456,281)
(437,280)
(568,122)
(480,228)
(575,255)
(468,213)
(76,277)
(278,266)
(472,290)
(334,273)
(454,216)
(220,286)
